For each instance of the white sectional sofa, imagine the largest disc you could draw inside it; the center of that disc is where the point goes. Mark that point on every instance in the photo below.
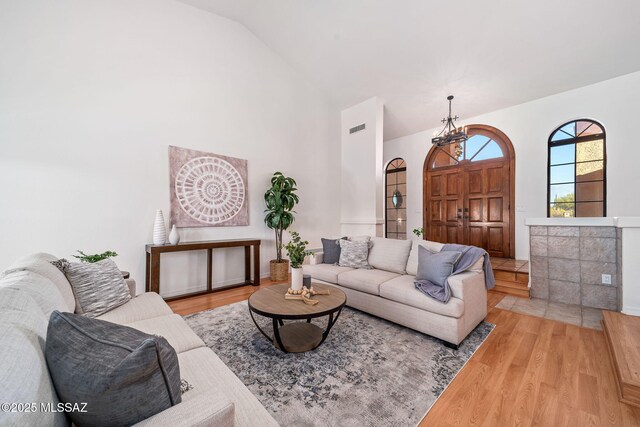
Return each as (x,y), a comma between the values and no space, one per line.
(387,290)
(29,292)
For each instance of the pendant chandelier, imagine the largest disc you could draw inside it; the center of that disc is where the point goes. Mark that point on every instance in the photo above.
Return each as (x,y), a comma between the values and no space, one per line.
(450,135)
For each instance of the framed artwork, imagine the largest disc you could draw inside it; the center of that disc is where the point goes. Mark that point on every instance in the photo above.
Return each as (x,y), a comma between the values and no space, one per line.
(207,190)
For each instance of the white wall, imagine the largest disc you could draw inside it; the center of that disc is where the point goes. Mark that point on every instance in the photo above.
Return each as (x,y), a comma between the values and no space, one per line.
(362,192)
(614,103)
(92,94)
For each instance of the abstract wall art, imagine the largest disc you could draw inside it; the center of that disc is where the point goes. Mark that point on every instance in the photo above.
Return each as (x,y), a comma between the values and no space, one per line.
(207,190)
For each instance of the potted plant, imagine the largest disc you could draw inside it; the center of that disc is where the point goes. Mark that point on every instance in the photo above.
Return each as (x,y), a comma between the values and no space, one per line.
(95,257)
(280,199)
(296,250)
(419,232)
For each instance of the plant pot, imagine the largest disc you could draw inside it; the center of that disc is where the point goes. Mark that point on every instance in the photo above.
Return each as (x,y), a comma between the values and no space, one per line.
(296,279)
(279,271)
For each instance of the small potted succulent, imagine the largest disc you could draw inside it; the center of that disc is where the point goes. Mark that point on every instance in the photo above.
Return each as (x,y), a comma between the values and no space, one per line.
(296,250)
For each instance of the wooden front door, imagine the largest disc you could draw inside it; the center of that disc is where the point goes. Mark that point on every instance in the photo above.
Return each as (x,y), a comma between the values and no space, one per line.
(468,197)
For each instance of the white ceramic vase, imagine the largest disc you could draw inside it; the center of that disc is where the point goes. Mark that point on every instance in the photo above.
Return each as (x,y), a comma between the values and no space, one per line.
(159,230)
(174,236)
(296,279)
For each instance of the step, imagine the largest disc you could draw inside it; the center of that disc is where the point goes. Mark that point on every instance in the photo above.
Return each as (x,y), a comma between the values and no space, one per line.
(512,288)
(511,276)
(622,335)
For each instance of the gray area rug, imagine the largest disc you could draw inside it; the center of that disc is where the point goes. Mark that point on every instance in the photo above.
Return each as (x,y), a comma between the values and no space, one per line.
(369,372)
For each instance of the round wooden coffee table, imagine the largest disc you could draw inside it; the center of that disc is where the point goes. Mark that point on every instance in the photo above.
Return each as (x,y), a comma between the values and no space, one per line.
(296,337)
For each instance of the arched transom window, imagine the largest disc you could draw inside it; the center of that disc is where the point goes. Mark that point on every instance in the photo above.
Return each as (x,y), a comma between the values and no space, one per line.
(396,199)
(478,147)
(577,170)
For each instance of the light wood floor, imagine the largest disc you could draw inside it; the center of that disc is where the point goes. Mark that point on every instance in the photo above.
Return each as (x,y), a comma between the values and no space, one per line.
(530,371)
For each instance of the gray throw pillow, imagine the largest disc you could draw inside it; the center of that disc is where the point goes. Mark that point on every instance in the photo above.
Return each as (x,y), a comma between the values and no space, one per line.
(436,267)
(331,251)
(123,375)
(98,287)
(354,254)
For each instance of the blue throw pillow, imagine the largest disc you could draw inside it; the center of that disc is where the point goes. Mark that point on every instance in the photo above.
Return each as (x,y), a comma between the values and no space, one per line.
(331,250)
(122,375)
(436,267)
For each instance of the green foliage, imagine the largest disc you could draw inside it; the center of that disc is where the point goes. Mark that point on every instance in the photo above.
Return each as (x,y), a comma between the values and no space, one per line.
(296,249)
(95,257)
(280,200)
(418,231)
(563,206)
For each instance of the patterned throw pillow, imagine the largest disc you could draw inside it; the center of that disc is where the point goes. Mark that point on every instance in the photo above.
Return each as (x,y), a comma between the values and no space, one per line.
(98,287)
(354,254)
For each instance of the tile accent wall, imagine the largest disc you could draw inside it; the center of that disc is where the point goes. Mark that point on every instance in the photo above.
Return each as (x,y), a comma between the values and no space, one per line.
(567,263)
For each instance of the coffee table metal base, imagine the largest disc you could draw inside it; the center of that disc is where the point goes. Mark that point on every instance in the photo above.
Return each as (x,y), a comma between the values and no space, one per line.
(298,337)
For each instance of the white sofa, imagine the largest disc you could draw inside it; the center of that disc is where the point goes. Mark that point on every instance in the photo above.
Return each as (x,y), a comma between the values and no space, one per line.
(388,290)
(32,288)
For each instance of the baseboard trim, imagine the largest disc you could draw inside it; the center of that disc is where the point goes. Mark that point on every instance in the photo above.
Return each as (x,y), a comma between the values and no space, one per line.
(203,287)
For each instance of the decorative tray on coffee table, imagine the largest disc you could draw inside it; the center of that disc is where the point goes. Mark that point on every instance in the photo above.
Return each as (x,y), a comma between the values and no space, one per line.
(305,294)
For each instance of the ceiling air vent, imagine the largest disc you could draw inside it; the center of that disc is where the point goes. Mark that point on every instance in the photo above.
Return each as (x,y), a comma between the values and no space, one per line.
(357,128)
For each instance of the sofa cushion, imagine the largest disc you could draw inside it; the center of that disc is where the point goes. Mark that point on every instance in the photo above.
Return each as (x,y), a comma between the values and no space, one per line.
(145,306)
(389,254)
(99,287)
(354,254)
(325,272)
(43,291)
(207,373)
(412,262)
(365,280)
(402,290)
(123,375)
(209,407)
(40,263)
(173,328)
(19,309)
(24,375)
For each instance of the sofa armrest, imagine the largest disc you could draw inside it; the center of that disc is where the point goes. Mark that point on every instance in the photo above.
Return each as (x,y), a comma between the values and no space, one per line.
(200,411)
(466,284)
(316,258)
(132,287)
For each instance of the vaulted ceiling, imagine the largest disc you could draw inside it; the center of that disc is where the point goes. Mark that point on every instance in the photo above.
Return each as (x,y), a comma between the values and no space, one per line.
(490,54)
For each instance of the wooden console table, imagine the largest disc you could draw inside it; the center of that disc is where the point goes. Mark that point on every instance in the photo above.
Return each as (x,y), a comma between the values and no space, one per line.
(153,262)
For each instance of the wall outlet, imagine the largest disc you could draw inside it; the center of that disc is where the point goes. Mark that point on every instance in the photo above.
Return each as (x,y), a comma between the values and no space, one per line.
(606,279)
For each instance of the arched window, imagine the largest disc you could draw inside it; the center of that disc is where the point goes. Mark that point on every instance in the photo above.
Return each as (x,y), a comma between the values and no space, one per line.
(478,147)
(396,199)
(577,170)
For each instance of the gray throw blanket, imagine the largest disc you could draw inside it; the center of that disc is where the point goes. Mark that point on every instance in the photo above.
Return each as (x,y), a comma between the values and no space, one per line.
(470,255)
